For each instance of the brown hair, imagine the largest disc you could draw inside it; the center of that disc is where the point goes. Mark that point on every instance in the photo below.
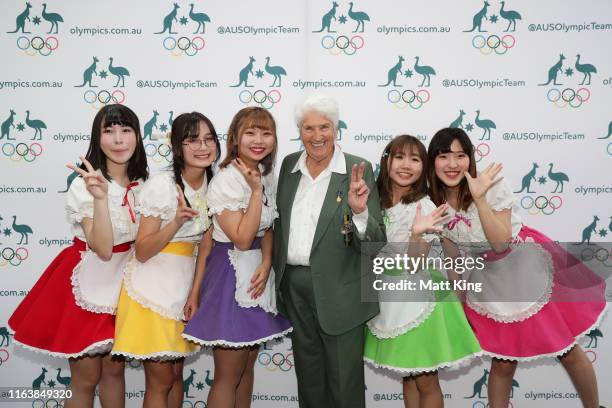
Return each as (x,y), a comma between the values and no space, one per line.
(384,183)
(251,117)
(440,144)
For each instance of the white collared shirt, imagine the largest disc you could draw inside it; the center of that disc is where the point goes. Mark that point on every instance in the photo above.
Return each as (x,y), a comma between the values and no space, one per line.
(307,206)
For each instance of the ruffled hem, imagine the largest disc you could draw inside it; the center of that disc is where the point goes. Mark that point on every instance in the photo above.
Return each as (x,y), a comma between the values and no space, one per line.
(77,217)
(78,296)
(232,254)
(450,365)
(225,343)
(142,300)
(157,356)
(101,347)
(399,330)
(555,353)
(531,310)
(218,209)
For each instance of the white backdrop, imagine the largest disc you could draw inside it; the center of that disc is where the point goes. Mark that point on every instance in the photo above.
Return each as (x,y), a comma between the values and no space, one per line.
(495,72)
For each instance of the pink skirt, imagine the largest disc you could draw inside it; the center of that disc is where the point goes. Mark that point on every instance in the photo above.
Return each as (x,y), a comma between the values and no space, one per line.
(576,306)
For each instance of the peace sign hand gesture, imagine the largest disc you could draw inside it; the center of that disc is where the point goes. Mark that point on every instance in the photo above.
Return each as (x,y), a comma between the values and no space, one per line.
(252,176)
(95,182)
(358,190)
(183,212)
(480,184)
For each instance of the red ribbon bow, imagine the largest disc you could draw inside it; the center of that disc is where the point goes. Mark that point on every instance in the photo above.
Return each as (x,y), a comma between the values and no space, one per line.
(456,219)
(127,202)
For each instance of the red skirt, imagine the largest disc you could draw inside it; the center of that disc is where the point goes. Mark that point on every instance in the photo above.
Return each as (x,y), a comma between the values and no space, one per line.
(48,320)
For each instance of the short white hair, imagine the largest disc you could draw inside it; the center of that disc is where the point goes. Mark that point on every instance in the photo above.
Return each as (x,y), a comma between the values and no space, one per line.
(322,104)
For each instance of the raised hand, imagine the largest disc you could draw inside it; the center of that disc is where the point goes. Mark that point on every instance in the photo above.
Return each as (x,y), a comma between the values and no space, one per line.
(259,281)
(480,184)
(429,223)
(252,176)
(95,182)
(358,192)
(183,212)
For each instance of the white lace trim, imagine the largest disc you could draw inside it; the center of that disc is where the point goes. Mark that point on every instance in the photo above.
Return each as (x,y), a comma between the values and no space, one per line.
(101,347)
(266,307)
(141,299)
(398,331)
(224,343)
(555,353)
(218,209)
(157,356)
(451,365)
(531,310)
(78,296)
(77,217)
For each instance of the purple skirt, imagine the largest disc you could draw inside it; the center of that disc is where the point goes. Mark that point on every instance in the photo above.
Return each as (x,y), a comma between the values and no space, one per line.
(220,321)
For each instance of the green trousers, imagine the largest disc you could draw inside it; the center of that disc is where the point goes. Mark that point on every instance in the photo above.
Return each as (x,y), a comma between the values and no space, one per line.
(329,368)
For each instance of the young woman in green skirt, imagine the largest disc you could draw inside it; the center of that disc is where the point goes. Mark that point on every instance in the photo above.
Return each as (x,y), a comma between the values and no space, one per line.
(418,330)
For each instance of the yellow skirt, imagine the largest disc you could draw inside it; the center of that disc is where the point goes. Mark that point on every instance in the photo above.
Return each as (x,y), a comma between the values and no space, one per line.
(141,333)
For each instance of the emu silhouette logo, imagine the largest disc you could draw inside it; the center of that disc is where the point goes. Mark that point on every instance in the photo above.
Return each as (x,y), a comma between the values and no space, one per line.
(499,44)
(559,178)
(351,40)
(8,125)
(113,72)
(415,98)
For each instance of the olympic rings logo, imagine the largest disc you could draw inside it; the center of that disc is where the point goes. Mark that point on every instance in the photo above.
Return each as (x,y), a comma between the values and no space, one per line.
(601,254)
(101,98)
(493,43)
(37,45)
(262,98)
(541,204)
(184,45)
(568,96)
(197,404)
(342,44)
(276,361)
(51,403)
(21,151)
(159,152)
(415,100)
(12,256)
(4,356)
(482,150)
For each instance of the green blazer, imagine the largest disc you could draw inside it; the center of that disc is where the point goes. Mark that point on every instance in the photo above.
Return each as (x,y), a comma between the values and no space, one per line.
(337,270)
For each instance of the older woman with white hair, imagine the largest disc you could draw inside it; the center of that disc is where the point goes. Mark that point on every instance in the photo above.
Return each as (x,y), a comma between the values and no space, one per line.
(328,206)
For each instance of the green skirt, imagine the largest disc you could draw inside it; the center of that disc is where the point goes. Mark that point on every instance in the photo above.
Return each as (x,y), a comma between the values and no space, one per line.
(444,339)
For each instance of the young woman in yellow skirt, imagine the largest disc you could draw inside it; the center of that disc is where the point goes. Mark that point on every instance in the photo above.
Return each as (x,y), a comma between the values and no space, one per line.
(159,277)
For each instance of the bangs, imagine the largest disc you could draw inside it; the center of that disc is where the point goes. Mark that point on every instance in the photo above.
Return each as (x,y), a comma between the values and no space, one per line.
(405,147)
(119,115)
(191,129)
(259,119)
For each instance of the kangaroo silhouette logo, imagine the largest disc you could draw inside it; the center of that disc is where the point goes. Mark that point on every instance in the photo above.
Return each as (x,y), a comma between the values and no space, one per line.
(485,124)
(190,382)
(478,385)
(527,179)
(415,98)
(498,44)
(37,44)
(113,92)
(156,139)
(17,151)
(563,95)
(40,380)
(184,34)
(71,177)
(589,230)
(261,97)
(348,41)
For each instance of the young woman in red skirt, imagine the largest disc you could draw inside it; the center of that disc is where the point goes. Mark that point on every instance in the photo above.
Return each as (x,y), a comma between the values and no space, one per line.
(69,312)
